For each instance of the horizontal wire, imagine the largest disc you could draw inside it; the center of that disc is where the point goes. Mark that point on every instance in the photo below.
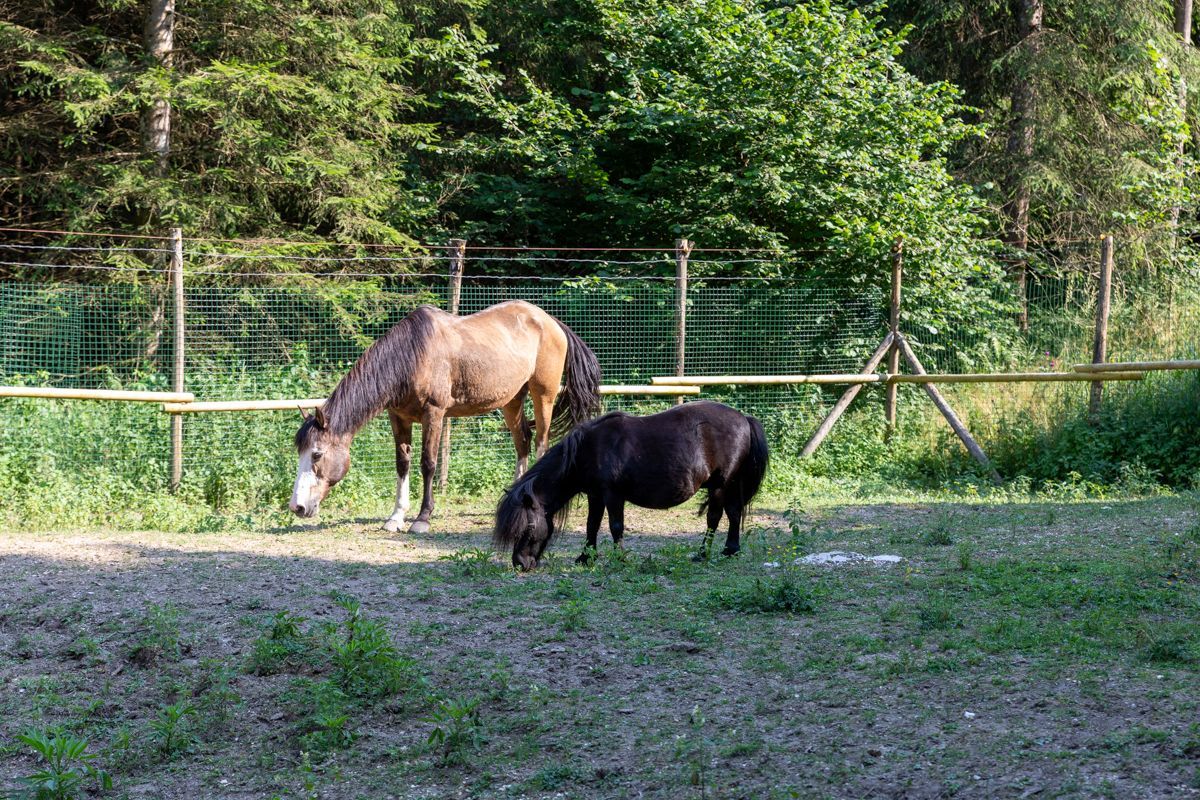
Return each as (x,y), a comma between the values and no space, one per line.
(438,275)
(46,231)
(75,248)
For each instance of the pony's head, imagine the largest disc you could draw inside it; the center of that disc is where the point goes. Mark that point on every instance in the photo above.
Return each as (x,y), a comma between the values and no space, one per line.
(523,523)
(536,506)
(324,460)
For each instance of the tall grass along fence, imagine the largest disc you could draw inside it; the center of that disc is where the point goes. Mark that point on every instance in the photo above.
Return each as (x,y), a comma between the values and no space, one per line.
(261,321)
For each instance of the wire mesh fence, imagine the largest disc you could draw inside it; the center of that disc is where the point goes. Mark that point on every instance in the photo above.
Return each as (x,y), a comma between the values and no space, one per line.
(268,327)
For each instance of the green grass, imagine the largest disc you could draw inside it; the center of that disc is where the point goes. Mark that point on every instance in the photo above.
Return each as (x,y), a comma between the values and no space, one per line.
(1066,629)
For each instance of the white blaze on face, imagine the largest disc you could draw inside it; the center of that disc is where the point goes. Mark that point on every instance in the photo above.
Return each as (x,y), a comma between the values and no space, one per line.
(304,495)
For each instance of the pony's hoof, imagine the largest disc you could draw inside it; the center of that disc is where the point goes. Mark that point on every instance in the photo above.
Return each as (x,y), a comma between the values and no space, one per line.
(419,526)
(586,558)
(393,525)
(729,553)
(700,557)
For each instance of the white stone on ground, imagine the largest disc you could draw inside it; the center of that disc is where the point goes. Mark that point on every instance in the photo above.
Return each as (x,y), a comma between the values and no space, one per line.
(836,558)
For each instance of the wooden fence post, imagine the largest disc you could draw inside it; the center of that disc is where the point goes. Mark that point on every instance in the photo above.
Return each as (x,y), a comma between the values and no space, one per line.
(177,383)
(1100,342)
(458,259)
(894,323)
(682,248)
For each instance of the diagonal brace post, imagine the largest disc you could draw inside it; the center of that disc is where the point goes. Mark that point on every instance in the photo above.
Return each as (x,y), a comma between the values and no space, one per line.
(847,397)
(963,434)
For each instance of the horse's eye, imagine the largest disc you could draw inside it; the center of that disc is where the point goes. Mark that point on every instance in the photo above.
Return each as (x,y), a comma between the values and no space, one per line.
(316,455)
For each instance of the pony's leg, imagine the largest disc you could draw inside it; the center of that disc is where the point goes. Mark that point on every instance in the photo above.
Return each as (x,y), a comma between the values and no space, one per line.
(716,507)
(518,426)
(616,518)
(595,516)
(402,434)
(735,506)
(431,437)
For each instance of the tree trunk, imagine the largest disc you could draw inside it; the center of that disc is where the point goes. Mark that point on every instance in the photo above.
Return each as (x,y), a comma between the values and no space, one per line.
(1183,28)
(156,119)
(1021,132)
(159,38)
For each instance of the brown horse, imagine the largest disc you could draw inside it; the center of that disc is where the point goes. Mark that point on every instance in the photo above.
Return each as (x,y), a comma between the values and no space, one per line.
(434,365)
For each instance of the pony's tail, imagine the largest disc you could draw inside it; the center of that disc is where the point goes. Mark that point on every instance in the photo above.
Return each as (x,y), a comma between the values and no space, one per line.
(754,468)
(579,400)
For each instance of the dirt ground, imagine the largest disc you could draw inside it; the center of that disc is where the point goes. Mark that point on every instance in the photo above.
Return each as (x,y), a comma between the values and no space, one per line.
(1025,650)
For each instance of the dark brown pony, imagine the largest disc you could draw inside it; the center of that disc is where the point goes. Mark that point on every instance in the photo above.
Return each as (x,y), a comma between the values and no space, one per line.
(434,365)
(657,461)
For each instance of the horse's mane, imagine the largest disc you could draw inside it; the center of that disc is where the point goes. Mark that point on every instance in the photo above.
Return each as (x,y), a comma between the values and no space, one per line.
(381,377)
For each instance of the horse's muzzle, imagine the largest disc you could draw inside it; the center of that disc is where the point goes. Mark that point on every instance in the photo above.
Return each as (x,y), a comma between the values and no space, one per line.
(306,512)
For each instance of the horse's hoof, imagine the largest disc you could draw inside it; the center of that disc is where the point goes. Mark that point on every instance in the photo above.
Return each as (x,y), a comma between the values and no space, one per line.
(419,526)
(700,558)
(727,552)
(393,526)
(586,557)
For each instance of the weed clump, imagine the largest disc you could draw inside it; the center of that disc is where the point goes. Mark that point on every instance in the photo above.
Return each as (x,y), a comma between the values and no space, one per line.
(774,595)
(66,766)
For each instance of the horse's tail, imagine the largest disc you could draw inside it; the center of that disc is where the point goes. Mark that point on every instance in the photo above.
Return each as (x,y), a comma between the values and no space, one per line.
(579,400)
(754,467)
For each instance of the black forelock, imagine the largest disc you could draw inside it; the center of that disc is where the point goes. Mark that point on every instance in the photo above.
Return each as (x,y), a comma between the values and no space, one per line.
(305,433)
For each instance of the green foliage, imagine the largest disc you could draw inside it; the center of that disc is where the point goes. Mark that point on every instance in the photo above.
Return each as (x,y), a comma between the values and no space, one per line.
(457,728)
(67,765)
(324,722)
(158,636)
(284,118)
(1108,120)
(1141,440)
(784,593)
(366,665)
(172,730)
(474,562)
(284,648)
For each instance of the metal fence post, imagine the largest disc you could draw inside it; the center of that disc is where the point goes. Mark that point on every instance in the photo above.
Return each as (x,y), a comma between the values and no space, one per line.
(177,383)
(682,248)
(458,259)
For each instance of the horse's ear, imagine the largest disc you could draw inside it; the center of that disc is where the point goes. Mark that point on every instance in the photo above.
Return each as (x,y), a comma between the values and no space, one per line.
(304,415)
(527,500)
(320,415)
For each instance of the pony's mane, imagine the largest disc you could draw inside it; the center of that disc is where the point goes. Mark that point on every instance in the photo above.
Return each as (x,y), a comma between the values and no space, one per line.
(549,471)
(381,377)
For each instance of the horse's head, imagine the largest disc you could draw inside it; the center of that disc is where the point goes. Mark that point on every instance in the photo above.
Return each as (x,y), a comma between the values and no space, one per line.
(522,521)
(324,460)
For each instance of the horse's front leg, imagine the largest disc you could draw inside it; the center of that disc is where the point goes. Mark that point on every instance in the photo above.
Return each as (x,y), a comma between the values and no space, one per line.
(595,516)
(431,437)
(402,434)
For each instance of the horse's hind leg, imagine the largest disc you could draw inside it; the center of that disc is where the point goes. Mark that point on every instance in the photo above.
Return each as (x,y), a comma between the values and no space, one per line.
(518,426)
(402,434)
(431,437)
(543,410)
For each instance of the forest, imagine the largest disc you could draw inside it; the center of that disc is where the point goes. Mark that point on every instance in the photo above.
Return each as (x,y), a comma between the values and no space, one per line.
(1000,141)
